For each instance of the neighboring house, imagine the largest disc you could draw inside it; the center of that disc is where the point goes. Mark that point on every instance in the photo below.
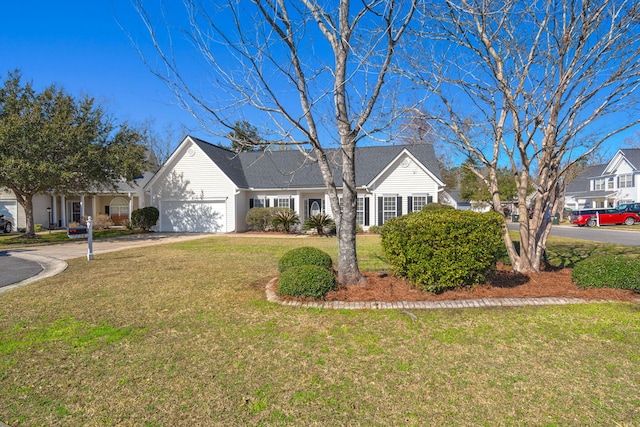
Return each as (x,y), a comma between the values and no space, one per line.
(607,185)
(206,188)
(62,210)
(452,198)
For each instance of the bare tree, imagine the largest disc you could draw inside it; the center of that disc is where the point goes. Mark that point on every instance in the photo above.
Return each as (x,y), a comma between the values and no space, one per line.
(316,73)
(537,86)
(159,144)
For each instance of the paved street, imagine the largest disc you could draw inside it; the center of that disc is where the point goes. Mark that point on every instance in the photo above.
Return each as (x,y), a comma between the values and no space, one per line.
(602,234)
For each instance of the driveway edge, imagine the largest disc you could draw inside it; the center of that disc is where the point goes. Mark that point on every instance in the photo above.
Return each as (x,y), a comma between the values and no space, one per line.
(50,267)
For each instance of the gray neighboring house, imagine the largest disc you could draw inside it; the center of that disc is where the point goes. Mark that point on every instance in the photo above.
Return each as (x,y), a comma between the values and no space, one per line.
(607,185)
(205,188)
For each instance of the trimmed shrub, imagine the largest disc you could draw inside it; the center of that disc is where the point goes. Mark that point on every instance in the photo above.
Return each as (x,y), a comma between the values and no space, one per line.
(145,218)
(608,271)
(305,256)
(443,249)
(262,219)
(259,219)
(375,229)
(306,281)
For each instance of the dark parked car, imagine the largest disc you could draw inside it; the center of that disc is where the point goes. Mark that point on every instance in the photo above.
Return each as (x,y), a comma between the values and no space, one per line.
(629,207)
(591,217)
(5,224)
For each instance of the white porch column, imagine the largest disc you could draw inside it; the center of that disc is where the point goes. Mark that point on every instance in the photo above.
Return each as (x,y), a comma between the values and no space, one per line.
(54,207)
(63,210)
(130,206)
(94,206)
(81,208)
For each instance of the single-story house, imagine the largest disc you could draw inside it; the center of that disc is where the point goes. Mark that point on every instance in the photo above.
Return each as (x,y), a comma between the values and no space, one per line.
(205,188)
(57,210)
(607,185)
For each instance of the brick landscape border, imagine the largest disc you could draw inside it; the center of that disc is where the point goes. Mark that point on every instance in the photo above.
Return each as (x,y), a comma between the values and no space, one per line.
(421,305)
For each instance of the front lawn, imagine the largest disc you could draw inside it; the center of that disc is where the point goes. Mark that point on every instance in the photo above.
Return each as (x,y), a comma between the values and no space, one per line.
(12,241)
(181,334)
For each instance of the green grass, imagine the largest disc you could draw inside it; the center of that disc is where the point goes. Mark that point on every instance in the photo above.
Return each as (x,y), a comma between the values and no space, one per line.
(182,334)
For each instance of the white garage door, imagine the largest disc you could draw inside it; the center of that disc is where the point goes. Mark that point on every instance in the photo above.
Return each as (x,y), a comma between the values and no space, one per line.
(193,216)
(9,208)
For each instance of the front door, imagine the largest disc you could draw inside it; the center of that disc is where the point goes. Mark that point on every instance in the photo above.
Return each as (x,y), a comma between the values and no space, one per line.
(75,212)
(315,206)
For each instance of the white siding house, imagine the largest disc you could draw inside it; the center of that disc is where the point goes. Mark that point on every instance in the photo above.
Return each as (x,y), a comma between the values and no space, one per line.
(206,188)
(607,185)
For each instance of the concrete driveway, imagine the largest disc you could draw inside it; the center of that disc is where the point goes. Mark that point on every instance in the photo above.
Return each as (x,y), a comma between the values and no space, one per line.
(22,266)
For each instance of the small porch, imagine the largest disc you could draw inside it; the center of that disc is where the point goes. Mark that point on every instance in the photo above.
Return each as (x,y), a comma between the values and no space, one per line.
(67,210)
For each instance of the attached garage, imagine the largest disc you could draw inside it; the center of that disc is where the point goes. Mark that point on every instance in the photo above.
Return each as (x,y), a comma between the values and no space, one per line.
(9,208)
(193,216)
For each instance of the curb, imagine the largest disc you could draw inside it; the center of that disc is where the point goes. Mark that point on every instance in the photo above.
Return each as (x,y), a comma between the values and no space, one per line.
(422,305)
(50,267)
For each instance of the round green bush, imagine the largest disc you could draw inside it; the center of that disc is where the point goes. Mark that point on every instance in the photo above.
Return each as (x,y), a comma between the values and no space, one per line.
(607,271)
(145,218)
(305,256)
(306,281)
(443,249)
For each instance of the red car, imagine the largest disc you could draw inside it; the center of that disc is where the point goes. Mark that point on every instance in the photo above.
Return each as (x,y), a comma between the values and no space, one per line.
(591,217)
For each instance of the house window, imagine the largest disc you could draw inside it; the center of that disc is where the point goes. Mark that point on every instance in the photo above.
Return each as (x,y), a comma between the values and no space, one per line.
(610,183)
(419,202)
(283,203)
(389,206)
(360,211)
(258,203)
(600,184)
(119,209)
(626,181)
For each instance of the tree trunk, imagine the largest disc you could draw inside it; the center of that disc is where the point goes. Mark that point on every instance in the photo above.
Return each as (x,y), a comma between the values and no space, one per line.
(26,201)
(348,270)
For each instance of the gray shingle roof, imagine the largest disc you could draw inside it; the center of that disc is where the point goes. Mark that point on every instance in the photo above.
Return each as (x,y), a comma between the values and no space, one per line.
(581,182)
(292,169)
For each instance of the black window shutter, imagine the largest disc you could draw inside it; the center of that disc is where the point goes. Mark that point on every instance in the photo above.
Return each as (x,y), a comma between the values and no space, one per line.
(366,211)
(409,204)
(251,203)
(399,206)
(292,204)
(429,199)
(266,203)
(380,211)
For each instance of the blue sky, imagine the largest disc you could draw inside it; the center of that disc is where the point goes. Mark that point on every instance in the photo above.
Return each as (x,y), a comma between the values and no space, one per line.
(80,46)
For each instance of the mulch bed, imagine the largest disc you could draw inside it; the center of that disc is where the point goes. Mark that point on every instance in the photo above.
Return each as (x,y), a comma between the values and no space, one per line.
(504,284)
